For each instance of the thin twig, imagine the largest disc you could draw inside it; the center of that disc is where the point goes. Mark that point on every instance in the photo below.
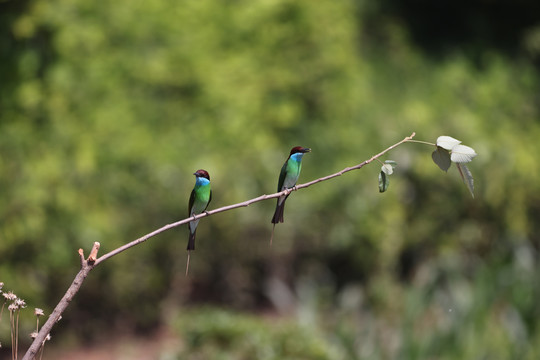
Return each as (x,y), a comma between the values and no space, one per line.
(422,142)
(93,261)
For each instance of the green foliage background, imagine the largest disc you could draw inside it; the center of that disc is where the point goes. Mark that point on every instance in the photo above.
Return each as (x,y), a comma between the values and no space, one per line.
(106,109)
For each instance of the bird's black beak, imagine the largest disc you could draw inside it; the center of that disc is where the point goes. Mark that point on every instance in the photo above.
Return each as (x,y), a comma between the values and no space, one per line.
(306,150)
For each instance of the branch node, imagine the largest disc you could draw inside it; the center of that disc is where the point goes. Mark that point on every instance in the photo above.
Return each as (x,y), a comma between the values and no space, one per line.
(93,254)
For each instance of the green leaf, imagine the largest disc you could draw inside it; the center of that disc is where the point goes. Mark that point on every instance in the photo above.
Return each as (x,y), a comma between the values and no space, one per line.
(467,177)
(462,154)
(447,142)
(441,157)
(384,181)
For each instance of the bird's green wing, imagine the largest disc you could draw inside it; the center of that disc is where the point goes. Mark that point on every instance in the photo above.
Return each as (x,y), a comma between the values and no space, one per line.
(209,199)
(282,175)
(191,201)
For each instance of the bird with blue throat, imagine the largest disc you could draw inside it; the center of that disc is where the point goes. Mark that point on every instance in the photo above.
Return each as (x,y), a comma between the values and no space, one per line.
(290,171)
(201,195)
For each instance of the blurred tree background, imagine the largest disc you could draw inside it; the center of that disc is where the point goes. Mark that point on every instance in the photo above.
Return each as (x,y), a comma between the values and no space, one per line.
(106,110)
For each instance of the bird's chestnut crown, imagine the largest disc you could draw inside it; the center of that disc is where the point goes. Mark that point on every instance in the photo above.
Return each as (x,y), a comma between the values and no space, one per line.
(299,149)
(202,173)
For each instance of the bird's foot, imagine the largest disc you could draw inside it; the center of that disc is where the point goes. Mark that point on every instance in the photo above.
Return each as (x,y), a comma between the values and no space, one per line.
(291,189)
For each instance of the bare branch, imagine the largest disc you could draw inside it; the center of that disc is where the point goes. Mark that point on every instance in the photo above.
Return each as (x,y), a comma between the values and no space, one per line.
(93,260)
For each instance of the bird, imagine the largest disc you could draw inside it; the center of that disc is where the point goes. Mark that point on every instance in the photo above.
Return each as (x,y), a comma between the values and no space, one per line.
(287,180)
(201,195)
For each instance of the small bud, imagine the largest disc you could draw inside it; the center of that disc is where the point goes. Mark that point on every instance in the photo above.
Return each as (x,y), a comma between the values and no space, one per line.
(12,307)
(48,337)
(33,335)
(38,312)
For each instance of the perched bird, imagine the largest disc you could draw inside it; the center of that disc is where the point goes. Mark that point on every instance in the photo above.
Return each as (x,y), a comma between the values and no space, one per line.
(201,195)
(287,179)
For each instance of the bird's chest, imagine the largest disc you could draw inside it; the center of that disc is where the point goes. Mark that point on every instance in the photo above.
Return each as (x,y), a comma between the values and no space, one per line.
(202,196)
(293,171)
